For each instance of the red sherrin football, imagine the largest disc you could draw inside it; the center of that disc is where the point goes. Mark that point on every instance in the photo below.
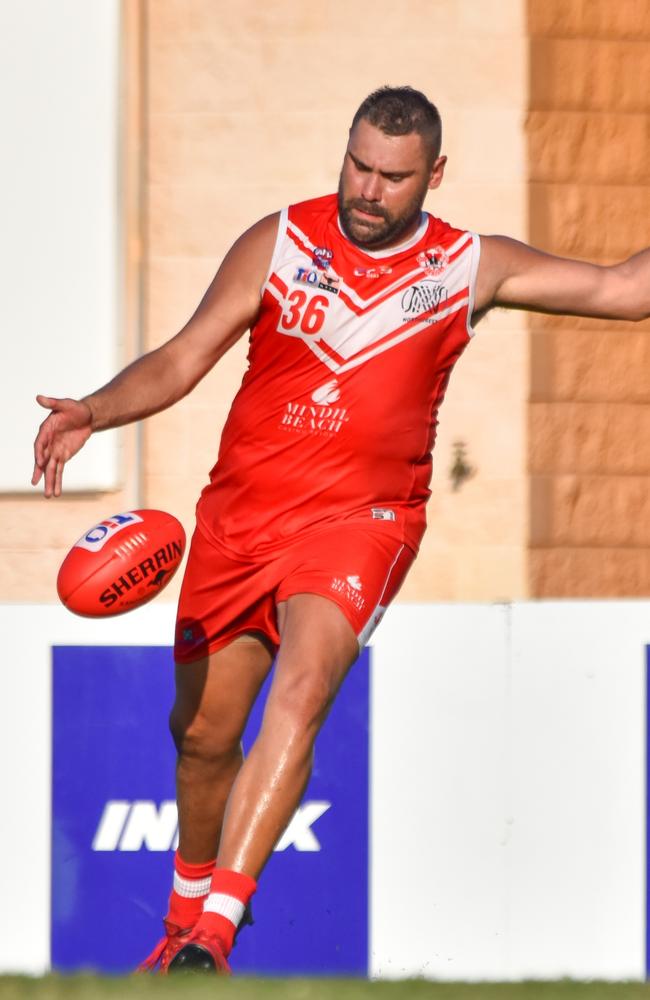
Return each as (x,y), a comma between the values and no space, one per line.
(121,563)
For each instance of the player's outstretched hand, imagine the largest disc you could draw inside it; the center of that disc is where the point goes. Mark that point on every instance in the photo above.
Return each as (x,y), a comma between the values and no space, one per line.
(60,436)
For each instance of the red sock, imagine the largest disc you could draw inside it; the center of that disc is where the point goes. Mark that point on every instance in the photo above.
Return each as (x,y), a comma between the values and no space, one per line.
(191,888)
(223,909)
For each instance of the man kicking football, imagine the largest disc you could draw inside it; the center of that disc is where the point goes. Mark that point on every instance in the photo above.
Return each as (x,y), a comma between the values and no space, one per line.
(358,305)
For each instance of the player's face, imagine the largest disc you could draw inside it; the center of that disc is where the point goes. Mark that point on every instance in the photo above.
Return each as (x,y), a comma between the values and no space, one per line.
(383,184)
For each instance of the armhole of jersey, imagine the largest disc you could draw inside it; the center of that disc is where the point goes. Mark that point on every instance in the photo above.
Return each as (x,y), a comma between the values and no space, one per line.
(473,271)
(282,228)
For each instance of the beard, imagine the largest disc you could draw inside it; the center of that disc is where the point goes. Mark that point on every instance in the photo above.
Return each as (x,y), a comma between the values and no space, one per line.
(385,229)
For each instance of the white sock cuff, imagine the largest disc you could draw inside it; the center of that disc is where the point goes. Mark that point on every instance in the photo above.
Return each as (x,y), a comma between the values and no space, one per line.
(226,906)
(191,888)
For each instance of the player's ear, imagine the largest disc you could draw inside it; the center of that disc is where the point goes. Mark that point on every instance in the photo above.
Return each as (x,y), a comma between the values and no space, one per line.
(437,172)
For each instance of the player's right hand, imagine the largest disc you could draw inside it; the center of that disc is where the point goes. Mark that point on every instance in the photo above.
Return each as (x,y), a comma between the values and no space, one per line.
(60,436)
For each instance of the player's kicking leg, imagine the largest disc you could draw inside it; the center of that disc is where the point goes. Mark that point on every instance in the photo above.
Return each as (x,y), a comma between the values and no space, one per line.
(214,697)
(318,646)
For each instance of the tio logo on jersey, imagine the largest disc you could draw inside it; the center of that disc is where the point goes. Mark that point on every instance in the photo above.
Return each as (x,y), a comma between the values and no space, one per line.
(132,826)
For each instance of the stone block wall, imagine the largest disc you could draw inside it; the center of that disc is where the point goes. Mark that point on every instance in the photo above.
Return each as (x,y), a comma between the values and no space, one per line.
(589,417)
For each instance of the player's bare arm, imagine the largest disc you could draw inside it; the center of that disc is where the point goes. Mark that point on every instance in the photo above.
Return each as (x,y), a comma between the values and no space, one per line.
(163,376)
(517,276)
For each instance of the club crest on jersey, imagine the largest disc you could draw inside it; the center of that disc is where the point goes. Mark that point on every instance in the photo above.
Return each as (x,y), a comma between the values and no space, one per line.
(317,279)
(433,261)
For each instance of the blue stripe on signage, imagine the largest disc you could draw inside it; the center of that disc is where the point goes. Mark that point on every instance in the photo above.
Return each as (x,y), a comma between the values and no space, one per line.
(114,824)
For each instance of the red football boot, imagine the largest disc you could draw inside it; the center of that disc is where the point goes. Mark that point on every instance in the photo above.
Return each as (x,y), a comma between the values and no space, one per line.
(166,949)
(202,951)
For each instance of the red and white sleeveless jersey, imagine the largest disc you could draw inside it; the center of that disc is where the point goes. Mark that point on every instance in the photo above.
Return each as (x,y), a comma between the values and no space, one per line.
(348,363)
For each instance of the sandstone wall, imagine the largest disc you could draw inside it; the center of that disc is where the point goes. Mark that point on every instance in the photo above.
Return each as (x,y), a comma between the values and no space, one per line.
(589,419)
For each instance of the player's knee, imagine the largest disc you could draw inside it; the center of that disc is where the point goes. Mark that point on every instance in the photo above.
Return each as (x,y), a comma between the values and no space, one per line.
(203,737)
(306,700)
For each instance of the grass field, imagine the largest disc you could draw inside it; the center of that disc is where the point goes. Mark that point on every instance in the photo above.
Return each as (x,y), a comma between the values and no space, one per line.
(145,987)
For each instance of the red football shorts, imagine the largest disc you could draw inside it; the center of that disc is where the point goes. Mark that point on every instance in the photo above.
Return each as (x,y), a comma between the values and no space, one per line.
(358,567)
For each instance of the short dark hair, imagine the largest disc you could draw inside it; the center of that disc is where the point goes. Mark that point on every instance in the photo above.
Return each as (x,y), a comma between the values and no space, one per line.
(401,111)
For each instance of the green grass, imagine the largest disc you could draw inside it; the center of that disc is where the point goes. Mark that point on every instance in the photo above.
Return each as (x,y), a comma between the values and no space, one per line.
(87,987)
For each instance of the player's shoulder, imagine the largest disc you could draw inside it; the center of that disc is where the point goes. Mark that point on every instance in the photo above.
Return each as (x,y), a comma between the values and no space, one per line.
(264,229)
(325,207)
(256,242)
(262,235)
(445,233)
(502,255)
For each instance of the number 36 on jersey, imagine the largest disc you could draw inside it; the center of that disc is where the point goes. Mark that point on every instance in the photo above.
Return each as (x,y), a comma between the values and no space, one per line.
(303,313)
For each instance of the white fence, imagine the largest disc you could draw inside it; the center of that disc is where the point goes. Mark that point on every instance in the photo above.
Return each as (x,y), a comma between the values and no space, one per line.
(508,802)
